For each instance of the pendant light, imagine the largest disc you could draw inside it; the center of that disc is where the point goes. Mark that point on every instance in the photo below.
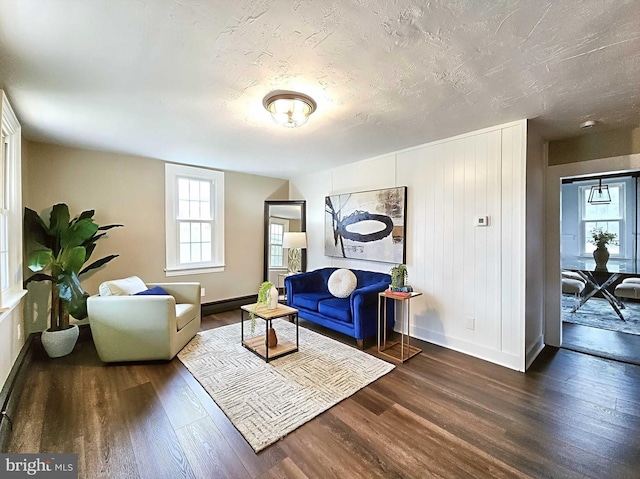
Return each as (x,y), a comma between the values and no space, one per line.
(599,195)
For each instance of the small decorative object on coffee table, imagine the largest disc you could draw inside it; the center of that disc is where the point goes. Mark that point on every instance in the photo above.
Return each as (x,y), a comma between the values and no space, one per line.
(397,350)
(259,345)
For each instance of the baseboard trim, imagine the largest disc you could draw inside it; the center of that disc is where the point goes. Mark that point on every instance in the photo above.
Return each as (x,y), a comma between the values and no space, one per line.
(227,304)
(12,385)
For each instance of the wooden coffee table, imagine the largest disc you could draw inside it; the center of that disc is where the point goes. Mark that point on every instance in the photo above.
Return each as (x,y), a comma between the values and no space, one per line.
(258,344)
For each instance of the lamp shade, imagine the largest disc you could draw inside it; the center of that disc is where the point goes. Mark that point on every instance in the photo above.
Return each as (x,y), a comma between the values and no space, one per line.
(297,239)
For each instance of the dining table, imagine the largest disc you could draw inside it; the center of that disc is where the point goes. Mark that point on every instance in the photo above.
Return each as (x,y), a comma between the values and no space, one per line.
(600,279)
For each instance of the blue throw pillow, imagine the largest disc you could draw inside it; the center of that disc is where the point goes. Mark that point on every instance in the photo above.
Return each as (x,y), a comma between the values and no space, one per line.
(155,291)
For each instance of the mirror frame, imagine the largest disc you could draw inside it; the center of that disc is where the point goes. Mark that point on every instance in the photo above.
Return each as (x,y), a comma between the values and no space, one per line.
(303,227)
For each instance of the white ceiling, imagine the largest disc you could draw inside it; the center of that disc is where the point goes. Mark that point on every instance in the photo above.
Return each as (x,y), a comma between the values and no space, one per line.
(183,80)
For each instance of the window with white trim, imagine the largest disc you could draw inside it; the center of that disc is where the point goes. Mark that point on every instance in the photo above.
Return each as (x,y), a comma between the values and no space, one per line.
(194,223)
(276,234)
(608,217)
(10,208)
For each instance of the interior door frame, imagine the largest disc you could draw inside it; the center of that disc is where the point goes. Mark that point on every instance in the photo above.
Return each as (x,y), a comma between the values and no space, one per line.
(554,175)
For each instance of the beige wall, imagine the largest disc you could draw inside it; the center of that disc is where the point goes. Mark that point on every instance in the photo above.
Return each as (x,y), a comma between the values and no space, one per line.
(606,144)
(130,190)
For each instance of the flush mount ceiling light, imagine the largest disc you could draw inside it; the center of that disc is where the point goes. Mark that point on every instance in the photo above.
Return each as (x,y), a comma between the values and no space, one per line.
(289,108)
(599,195)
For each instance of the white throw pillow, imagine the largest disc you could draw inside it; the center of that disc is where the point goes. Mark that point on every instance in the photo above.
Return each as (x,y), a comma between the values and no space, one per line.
(342,282)
(122,287)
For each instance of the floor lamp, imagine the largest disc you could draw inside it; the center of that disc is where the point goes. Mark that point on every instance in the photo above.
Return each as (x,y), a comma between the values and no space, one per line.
(294,241)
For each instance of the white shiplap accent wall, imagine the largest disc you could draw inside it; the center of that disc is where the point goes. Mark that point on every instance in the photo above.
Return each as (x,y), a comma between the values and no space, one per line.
(464,271)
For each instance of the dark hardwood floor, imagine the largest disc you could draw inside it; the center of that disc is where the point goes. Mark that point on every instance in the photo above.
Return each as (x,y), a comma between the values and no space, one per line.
(442,414)
(601,342)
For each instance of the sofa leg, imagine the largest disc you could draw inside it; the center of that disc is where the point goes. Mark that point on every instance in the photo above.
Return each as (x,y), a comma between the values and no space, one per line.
(360,343)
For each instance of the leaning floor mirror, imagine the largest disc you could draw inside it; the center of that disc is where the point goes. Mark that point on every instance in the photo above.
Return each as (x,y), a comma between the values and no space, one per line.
(285,242)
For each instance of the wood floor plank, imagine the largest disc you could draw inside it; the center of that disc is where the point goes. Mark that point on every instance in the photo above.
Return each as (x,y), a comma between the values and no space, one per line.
(286,469)
(148,424)
(108,450)
(208,452)
(178,399)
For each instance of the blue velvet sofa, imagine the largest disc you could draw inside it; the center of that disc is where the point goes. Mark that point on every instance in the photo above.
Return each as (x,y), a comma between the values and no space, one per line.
(355,316)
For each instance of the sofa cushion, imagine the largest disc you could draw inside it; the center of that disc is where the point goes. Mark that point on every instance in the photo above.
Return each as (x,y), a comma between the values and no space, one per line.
(309,300)
(342,282)
(122,287)
(336,308)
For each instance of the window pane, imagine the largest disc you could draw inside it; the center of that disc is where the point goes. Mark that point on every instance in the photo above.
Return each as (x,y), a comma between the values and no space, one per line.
(606,226)
(205,191)
(183,209)
(195,232)
(205,210)
(194,190)
(185,253)
(206,232)
(206,251)
(185,232)
(194,210)
(611,210)
(195,253)
(183,189)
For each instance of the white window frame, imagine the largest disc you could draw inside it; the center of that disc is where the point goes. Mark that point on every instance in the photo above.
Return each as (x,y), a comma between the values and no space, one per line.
(621,220)
(172,173)
(11,291)
(285,228)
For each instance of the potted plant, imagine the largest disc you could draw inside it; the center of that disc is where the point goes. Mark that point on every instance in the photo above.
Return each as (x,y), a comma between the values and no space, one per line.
(601,239)
(267,297)
(398,277)
(68,244)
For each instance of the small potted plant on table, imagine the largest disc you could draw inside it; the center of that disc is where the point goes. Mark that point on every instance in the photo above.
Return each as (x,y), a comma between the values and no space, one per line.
(601,239)
(267,297)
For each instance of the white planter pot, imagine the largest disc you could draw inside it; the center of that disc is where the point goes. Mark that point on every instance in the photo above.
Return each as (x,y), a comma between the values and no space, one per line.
(60,343)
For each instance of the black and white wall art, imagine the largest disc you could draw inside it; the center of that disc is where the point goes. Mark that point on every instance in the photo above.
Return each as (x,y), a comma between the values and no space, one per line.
(367,225)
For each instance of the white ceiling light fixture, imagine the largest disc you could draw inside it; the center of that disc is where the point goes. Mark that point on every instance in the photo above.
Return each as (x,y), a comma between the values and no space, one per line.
(289,108)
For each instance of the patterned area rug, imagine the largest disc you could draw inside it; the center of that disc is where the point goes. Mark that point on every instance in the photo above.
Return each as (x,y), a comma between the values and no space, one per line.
(264,401)
(598,313)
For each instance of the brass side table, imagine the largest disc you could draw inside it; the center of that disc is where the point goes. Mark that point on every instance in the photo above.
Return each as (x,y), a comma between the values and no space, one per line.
(397,350)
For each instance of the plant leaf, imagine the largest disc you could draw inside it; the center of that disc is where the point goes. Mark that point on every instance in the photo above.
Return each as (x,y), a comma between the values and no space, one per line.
(59,219)
(35,228)
(40,259)
(37,277)
(108,227)
(96,264)
(72,259)
(78,233)
(72,293)
(86,214)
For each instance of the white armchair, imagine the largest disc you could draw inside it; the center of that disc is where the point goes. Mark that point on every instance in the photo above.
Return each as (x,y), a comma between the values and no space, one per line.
(145,327)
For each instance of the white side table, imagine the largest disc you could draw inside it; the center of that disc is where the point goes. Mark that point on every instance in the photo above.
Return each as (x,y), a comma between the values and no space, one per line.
(396,350)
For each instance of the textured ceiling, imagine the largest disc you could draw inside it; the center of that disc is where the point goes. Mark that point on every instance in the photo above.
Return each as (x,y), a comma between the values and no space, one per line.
(183,80)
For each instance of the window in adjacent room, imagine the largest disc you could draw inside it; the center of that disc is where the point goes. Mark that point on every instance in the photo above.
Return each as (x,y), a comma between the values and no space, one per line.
(276,234)
(194,220)
(609,217)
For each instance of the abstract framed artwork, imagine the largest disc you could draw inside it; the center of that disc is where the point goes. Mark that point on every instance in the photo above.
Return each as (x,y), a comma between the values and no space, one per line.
(367,225)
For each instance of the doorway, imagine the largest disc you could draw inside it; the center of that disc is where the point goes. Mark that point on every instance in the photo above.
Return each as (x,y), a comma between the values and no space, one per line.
(600,310)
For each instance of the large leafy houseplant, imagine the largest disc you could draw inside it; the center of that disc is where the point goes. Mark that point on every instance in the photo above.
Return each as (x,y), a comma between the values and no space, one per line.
(67,245)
